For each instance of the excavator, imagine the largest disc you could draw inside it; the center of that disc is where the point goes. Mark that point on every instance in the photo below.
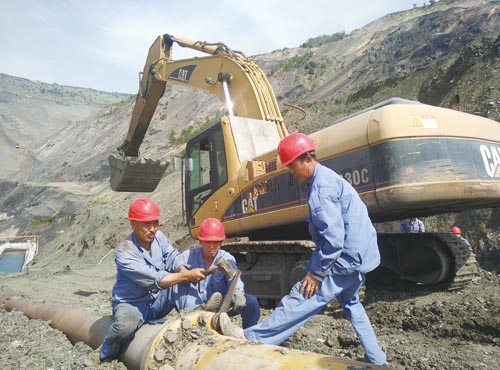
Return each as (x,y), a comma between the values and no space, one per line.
(403,157)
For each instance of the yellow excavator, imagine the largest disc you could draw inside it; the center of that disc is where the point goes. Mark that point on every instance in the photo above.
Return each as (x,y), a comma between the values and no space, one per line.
(403,157)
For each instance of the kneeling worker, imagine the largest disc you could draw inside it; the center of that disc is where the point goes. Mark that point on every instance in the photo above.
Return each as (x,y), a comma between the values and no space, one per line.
(146,273)
(209,292)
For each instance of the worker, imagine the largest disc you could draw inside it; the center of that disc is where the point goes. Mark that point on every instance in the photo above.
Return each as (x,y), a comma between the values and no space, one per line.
(209,292)
(146,273)
(455,230)
(412,225)
(346,249)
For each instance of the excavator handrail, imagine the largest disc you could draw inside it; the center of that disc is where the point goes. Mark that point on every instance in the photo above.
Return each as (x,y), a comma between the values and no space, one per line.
(376,106)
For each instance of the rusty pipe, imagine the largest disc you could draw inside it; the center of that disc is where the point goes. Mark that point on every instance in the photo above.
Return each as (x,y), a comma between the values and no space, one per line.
(78,326)
(213,351)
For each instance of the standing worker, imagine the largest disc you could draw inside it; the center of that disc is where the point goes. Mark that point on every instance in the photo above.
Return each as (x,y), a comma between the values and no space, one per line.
(208,293)
(346,249)
(412,225)
(146,272)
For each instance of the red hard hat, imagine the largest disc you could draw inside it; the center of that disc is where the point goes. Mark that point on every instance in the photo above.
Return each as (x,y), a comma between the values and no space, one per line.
(456,230)
(143,209)
(293,146)
(212,230)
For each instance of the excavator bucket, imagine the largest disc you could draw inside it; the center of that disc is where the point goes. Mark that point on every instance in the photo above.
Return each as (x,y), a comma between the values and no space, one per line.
(135,174)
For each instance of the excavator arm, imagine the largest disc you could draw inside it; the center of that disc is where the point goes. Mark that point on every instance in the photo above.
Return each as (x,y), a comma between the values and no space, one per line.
(225,73)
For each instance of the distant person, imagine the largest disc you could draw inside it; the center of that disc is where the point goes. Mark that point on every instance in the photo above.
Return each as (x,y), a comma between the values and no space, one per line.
(458,232)
(412,225)
(209,292)
(146,273)
(346,249)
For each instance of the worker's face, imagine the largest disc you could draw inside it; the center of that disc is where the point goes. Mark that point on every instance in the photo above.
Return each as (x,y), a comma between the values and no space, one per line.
(210,248)
(145,231)
(302,169)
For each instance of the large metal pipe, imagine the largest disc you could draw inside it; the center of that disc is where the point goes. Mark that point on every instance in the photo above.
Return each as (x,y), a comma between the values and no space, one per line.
(77,325)
(155,345)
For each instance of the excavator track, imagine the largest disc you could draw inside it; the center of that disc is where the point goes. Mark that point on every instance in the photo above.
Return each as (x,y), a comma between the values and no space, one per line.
(466,269)
(270,268)
(429,258)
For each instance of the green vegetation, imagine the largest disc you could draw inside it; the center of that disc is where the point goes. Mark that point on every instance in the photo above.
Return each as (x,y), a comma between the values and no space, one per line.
(54,89)
(310,67)
(38,224)
(373,88)
(112,108)
(190,131)
(293,63)
(324,39)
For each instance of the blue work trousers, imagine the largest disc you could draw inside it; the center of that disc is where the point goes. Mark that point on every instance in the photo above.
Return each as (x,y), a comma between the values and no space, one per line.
(129,317)
(294,311)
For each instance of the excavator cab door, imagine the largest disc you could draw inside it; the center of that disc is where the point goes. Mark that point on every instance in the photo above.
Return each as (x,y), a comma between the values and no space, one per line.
(205,170)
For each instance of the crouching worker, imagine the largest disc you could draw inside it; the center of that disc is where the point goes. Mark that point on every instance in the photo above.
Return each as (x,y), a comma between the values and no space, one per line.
(146,273)
(209,292)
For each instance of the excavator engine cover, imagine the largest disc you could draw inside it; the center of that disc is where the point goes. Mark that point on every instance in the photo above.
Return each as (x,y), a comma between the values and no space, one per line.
(135,174)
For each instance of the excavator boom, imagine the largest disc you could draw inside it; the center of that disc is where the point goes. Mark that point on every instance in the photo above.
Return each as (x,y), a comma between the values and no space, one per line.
(225,73)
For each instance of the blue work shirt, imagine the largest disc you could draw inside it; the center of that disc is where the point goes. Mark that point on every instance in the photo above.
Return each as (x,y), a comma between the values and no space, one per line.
(417,226)
(140,271)
(194,294)
(346,241)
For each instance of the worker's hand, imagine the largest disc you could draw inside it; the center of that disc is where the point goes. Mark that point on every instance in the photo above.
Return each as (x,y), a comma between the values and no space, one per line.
(182,276)
(196,275)
(239,300)
(309,286)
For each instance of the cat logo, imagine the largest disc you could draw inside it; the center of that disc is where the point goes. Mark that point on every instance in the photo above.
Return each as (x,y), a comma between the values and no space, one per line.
(182,74)
(491,159)
(249,204)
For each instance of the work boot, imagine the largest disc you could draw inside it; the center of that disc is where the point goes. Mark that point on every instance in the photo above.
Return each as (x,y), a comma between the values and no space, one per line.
(213,303)
(228,328)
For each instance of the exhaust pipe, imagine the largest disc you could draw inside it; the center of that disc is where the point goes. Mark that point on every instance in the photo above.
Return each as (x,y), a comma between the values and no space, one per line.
(155,345)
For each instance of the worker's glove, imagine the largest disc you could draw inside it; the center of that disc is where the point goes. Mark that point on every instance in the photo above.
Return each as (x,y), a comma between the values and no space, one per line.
(239,300)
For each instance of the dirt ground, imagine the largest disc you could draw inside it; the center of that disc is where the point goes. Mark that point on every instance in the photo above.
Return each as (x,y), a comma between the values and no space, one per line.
(420,328)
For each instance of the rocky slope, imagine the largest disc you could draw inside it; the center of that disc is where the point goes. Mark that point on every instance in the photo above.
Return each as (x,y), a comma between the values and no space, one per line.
(31,112)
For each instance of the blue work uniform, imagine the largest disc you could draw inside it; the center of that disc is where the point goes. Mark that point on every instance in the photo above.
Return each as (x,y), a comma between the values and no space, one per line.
(137,296)
(191,295)
(346,249)
(417,226)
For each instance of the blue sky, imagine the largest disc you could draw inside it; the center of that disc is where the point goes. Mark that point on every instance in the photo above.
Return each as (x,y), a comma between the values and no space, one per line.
(103,44)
